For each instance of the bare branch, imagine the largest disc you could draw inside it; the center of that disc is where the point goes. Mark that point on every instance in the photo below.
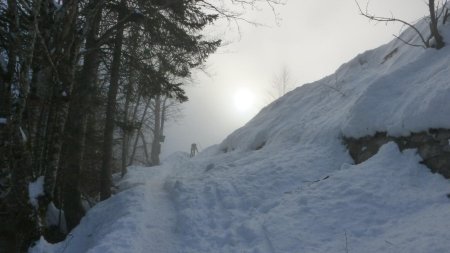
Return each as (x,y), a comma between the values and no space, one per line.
(442,6)
(47,53)
(335,87)
(393,19)
(446,16)
(229,15)
(408,43)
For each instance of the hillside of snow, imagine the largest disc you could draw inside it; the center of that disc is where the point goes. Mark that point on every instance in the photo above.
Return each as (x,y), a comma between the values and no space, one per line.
(284,182)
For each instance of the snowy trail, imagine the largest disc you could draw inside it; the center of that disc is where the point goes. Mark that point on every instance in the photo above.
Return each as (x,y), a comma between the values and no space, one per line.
(140,218)
(160,217)
(148,219)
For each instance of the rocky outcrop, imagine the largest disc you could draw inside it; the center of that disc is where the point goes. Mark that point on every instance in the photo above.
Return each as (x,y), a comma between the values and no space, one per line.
(433,146)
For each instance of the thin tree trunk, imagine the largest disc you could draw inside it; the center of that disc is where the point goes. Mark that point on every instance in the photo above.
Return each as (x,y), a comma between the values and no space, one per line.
(156,145)
(127,127)
(4,104)
(434,26)
(133,119)
(163,115)
(125,136)
(144,143)
(105,181)
(141,122)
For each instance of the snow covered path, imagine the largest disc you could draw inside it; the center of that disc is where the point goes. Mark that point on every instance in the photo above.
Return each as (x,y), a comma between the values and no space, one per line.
(152,212)
(140,218)
(257,203)
(252,204)
(159,217)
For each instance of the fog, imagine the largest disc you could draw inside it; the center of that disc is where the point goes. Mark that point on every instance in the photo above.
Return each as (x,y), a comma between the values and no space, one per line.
(311,38)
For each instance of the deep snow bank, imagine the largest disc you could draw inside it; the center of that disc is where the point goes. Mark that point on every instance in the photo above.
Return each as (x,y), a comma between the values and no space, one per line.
(285,183)
(253,192)
(395,88)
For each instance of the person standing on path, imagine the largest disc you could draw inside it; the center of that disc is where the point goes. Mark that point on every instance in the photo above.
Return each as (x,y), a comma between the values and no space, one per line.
(194,150)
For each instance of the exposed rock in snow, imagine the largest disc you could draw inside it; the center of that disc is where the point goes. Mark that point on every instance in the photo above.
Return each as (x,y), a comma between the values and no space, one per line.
(432,146)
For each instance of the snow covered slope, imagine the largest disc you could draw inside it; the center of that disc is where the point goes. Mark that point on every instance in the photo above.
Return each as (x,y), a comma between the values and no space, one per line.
(285,183)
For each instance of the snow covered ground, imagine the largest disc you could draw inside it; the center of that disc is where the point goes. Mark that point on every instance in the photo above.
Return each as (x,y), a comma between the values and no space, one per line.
(285,183)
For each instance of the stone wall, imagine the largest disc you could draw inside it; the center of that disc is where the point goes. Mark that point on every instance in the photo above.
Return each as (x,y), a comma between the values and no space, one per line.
(433,146)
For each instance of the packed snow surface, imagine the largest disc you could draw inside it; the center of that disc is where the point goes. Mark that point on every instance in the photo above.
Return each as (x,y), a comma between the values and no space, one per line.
(285,183)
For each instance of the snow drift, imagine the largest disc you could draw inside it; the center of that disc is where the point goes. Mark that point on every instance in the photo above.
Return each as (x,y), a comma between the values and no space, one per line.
(285,183)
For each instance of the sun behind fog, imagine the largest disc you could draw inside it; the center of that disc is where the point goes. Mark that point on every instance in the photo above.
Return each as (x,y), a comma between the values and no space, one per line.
(243,100)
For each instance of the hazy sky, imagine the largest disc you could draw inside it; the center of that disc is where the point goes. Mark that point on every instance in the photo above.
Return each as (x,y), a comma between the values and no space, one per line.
(312,39)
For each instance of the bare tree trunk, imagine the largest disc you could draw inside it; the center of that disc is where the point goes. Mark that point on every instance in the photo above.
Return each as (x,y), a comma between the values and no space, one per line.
(105,181)
(144,143)
(163,114)
(15,146)
(133,119)
(65,51)
(128,126)
(434,25)
(76,128)
(125,151)
(4,103)
(156,145)
(141,122)
(126,132)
